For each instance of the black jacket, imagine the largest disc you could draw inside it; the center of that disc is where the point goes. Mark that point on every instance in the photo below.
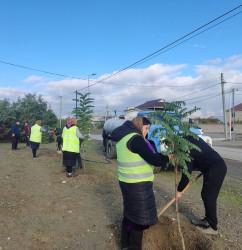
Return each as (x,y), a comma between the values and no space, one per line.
(202,161)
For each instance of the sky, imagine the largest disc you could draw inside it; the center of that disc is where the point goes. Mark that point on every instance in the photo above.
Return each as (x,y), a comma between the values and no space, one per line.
(51,48)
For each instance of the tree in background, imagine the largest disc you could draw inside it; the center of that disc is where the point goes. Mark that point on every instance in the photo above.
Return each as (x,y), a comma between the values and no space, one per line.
(84,113)
(28,109)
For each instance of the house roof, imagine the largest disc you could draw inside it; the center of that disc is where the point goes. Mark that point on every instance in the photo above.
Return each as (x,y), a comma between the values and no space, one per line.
(155,104)
(237,107)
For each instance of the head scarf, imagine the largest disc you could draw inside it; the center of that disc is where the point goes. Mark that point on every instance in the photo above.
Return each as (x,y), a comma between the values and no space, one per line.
(140,121)
(72,121)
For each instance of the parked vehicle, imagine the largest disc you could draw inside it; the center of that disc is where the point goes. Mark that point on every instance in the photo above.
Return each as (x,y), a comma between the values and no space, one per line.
(155,139)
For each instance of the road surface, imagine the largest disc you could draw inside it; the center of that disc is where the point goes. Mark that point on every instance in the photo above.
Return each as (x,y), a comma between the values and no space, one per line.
(229,153)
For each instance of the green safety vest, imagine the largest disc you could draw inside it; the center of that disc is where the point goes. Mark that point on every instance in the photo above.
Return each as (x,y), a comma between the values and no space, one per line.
(71,142)
(132,167)
(36,134)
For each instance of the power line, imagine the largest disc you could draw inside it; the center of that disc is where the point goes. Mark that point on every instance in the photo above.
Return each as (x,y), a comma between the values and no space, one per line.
(198,97)
(162,52)
(205,99)
(160,86)
(39,70)
(196,92)
(165,47)
(156,53)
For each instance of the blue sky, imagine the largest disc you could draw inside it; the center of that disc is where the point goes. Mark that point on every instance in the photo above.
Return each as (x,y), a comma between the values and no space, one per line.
(78,38)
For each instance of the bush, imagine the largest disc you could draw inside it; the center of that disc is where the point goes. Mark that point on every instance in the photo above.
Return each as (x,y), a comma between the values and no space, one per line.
(100,125)
(208,121)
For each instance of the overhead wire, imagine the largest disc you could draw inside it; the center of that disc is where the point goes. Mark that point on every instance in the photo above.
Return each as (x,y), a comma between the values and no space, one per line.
(199,97)
(205,99)
(39,70)
(158,51)
(195,92)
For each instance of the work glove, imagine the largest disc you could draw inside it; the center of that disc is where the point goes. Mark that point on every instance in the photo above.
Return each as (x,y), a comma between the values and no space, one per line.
(52,132)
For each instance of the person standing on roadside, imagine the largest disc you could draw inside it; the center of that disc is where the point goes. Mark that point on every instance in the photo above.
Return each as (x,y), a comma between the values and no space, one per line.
(15,135)
(71,146)
(36,136)
(214,169)
(59,141)
(136,160)
(27,131)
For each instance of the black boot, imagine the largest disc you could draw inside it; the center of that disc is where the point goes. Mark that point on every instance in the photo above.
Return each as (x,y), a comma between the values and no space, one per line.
(136,240)
(125,237)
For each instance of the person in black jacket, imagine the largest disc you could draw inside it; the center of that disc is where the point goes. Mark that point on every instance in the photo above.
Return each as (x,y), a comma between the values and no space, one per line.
(136,160)
(15,134)
(214,169)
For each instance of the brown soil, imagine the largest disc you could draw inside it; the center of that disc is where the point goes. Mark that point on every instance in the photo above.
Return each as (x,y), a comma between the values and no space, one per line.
(42,209)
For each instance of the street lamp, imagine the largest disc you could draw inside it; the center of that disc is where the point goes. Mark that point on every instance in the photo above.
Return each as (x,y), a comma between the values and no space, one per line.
(93,74)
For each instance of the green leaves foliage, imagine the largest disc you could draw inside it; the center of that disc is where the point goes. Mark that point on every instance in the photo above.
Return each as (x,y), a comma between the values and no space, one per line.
(173,131)
(84,113)
(29,109)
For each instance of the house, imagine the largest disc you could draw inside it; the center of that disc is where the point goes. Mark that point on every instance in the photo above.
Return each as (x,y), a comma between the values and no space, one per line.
(158,104)
(237,112)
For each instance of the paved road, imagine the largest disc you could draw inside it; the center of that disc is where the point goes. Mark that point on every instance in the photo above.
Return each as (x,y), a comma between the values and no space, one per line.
(225,152)
(97,137)
(229,153)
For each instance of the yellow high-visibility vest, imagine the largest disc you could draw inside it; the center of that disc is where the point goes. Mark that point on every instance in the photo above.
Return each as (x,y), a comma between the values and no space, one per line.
(70,140)
(36,134)
(132,167)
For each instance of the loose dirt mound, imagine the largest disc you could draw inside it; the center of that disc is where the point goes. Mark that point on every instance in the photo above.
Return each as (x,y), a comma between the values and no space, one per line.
(164,235)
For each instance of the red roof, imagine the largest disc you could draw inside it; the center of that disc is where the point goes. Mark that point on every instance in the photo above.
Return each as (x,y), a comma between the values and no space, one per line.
(237,107)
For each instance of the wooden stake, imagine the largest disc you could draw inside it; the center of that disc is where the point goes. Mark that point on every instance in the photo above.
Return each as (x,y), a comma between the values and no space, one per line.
(173,200)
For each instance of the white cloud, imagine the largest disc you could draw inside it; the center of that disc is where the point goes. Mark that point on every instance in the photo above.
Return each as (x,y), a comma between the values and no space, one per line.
(136,86)
(34,79)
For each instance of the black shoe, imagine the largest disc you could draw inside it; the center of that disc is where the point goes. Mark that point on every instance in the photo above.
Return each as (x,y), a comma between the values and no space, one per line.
(201,223)
(71,175)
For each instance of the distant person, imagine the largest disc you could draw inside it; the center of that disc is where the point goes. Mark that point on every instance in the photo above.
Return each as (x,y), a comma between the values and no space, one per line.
(59,140)
(15,135)
(27,131)
(105,136)
(36,136)
(214,169)
(71,146)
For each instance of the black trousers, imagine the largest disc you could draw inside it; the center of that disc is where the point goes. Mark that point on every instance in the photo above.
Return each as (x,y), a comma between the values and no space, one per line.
(27,140)
(34,152)
(69,169)
(14,142)
(212,182)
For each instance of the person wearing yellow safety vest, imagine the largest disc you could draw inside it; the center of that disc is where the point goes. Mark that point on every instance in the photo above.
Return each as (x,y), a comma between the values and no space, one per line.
(71,146)
(36,136)
(136,160)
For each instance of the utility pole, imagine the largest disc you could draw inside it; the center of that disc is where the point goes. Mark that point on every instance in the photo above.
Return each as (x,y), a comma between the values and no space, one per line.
(106,112)
(233,114)
(230,115)
(60,109)
(76,104)
(223,100)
